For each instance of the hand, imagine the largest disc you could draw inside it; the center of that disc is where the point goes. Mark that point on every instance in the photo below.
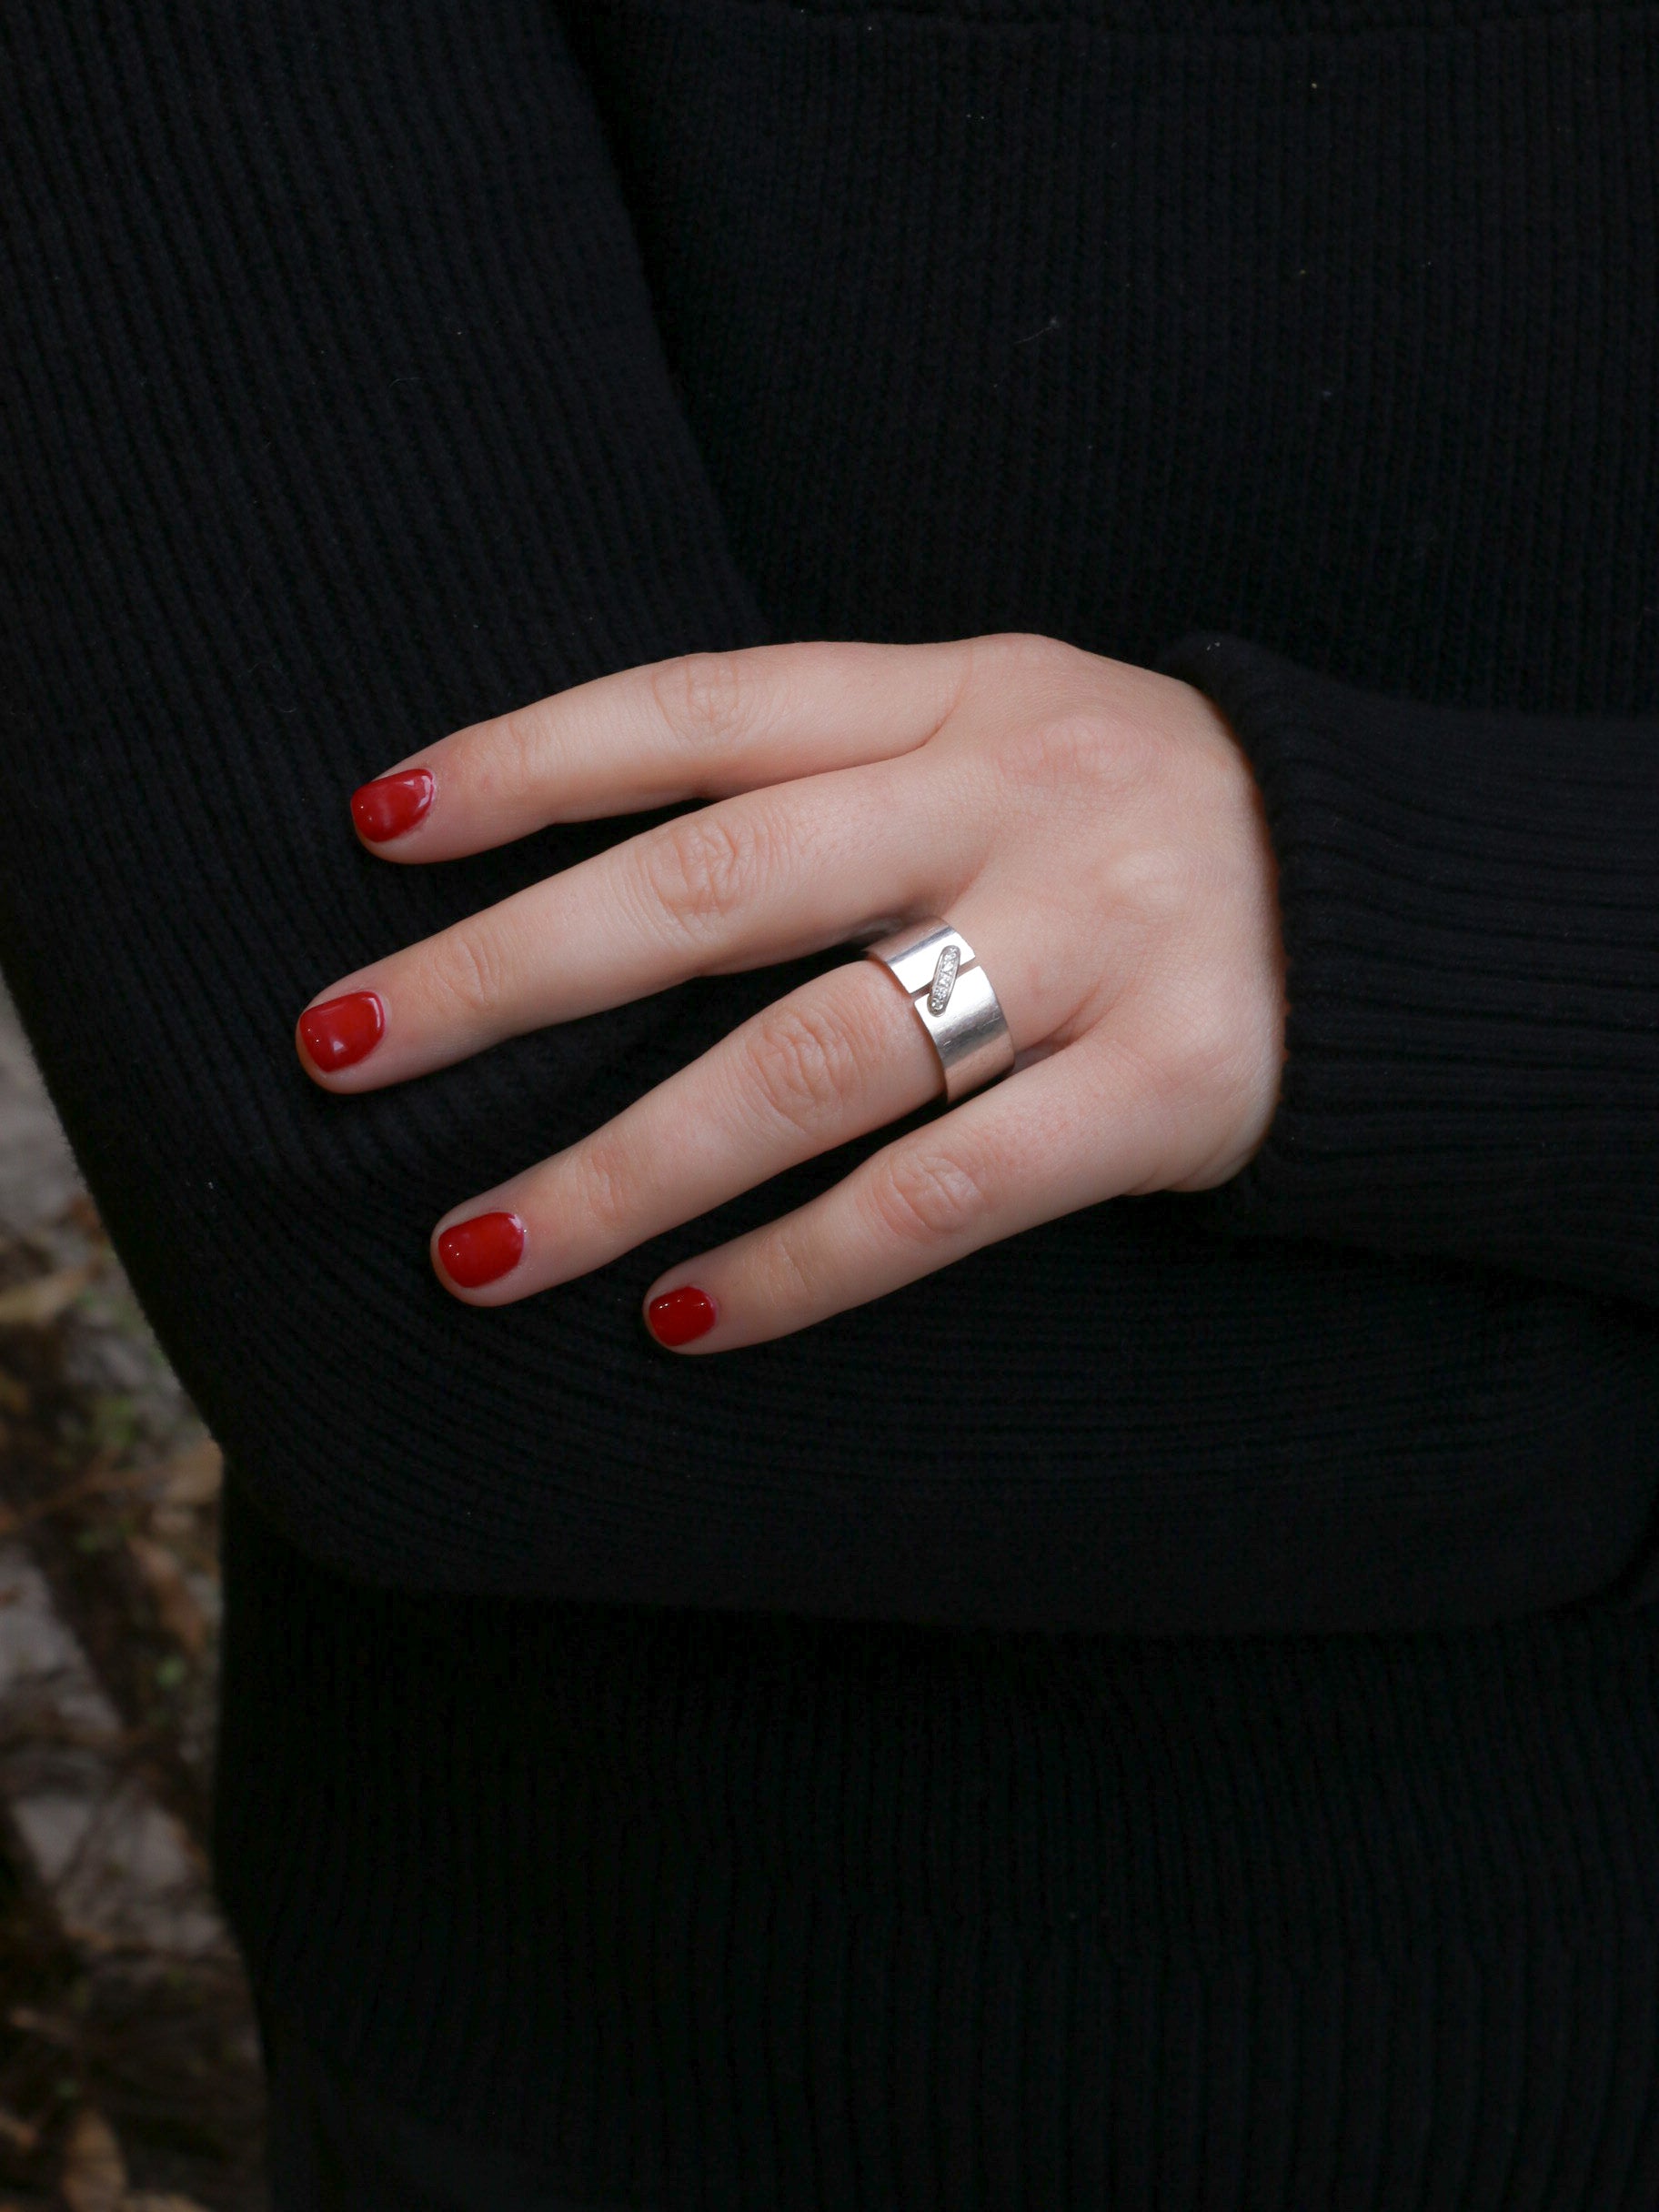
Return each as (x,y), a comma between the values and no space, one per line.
(1091,828)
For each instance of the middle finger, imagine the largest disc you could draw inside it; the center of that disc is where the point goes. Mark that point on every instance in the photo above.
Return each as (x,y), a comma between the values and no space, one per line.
(766,877)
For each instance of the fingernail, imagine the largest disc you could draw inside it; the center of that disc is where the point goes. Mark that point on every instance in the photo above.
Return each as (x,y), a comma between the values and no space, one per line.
(679,1315)
(481,1249)
(342,1032)
(391,804)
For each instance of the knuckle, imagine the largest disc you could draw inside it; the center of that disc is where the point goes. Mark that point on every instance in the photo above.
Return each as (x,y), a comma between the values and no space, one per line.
(1028,654)
(791,1282)
(522,758)
(469,974)
(703,867)
(928,1197)
(608,1188)
(804,1063)
(1076,749)
(703,698)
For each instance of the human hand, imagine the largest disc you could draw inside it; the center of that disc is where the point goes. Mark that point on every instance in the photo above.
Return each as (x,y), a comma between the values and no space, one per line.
(1091,826)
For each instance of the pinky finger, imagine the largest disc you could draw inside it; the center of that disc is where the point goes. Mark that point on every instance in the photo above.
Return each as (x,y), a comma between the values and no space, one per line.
(1060,1133)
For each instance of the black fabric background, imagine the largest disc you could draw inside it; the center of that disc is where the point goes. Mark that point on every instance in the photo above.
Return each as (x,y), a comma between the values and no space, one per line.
(368,368)
(337,415)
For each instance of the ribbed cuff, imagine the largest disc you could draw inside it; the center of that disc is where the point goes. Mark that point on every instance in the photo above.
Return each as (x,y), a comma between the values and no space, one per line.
(1470,900)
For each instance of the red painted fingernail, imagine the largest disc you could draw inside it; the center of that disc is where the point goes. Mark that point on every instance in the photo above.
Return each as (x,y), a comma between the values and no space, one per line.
(391,804)
(342,1032)
(679,1316)
(479,1251)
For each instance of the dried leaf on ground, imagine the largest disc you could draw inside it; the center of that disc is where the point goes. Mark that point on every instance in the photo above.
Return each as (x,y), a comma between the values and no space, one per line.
(38,1304)
(17,2134)
(27,2021)
(94,2178)
(195,1477)
(176,1604)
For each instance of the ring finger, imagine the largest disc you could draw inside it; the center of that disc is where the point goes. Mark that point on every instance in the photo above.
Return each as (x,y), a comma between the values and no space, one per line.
(842,1055)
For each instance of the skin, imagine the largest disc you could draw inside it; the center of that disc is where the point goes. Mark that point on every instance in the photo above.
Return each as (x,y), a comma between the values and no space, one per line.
(1091,826)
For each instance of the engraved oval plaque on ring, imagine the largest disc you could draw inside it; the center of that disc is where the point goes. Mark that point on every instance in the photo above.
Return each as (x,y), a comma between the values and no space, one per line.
(944,978)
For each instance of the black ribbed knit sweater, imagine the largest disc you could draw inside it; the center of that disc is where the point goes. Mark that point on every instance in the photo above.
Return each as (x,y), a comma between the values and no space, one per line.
(1163,1713)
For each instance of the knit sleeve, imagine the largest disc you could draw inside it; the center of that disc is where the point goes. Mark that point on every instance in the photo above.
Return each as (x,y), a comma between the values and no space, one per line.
(1471,912)
(333,415)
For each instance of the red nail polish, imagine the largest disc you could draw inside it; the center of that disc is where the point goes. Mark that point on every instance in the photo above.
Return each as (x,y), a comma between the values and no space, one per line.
(391,804)
(680,1315)
(481,1249)
(342,1032)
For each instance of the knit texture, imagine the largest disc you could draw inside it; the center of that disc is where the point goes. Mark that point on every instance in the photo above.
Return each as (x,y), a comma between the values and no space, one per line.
(1472,1051)
(337,416)
(1158,1714)
(726,1911)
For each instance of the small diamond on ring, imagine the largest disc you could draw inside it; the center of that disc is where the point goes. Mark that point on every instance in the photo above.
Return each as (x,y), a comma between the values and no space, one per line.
(944,978)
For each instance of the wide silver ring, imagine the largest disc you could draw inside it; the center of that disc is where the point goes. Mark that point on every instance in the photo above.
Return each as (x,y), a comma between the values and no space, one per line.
(940,974)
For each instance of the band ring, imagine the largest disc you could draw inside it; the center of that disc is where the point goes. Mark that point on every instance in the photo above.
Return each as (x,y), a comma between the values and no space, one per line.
(937,971)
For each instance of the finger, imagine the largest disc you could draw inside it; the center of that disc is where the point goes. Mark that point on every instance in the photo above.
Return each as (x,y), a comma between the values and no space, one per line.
(1065,1131)
(843,1054)
(766,877)
(699,726)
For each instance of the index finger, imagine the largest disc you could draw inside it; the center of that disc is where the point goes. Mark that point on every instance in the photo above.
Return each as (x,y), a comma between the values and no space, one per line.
(702,726)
